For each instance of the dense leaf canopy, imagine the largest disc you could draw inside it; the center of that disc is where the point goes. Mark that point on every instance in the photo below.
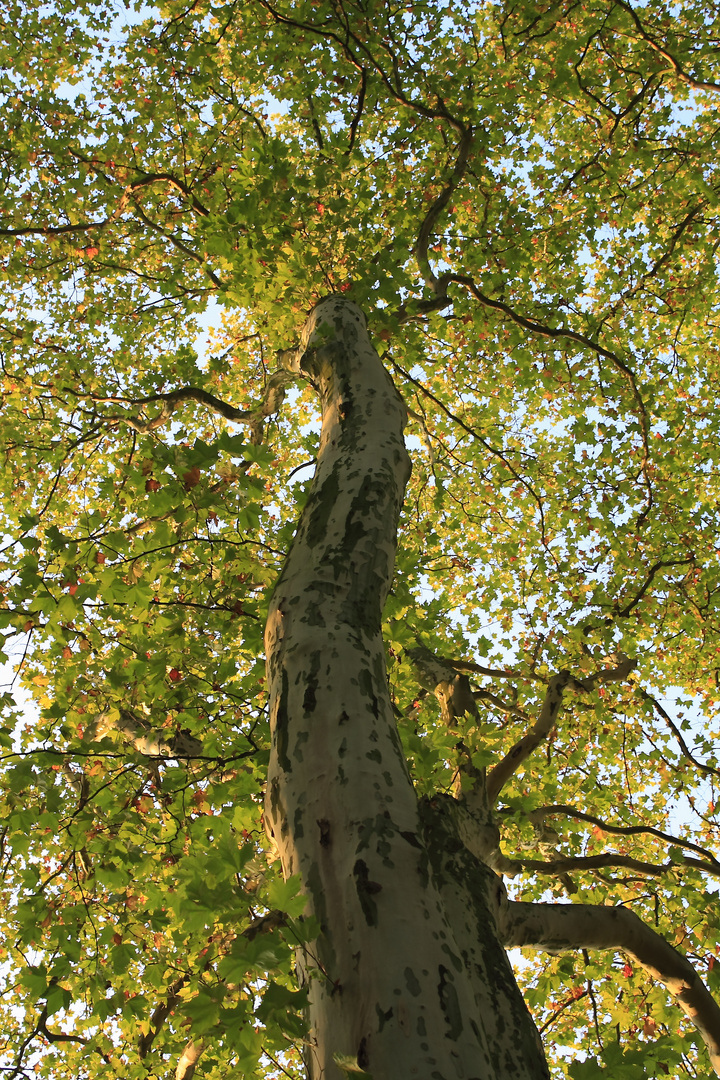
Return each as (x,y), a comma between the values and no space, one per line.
(524,199)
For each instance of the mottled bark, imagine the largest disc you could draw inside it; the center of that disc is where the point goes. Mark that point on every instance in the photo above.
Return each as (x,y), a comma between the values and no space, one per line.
(147,740)
(403,979)
(561,927)
(450,687)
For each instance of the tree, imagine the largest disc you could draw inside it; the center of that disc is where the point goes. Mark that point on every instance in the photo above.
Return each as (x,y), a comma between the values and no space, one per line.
(488,714)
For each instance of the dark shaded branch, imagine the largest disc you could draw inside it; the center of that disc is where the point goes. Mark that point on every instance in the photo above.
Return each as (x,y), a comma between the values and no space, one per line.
(160,1015)
(181,247)
(56,1036)
(359,110)
(610,860)
(272,400)
(624,612)
(674,63)
(556,333)
(501,773)
(492,673)
(707,769)
(128,191)
(436,208)
(538,816)
(475,435)
(439,112)
(557,1012)
(57,230)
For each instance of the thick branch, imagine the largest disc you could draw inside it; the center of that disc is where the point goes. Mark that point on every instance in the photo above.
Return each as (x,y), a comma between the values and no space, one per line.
(492,673)
(146,740)
(188,1060)
(56,1036)
(475,435)
(585,926)
(438,112)
(624,612)
(160,1015)
(451,688)
(130,189)
(557,333)
(441,299)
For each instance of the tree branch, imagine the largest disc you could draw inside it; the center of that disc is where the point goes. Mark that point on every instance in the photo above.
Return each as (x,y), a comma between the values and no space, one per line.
(563,864)
(450,688)
(707,769)
(359,110)
(562,927)
(624,612)
(270,404)
(160,1015)
(476,435)
(188,1060)
(130,189)
(436,208)
(501,773)
(538,816)
(675,64)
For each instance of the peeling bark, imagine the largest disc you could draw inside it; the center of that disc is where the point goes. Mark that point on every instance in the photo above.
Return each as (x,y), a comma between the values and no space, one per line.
(450,687)
(187,1062)
(392,992)
(141,735)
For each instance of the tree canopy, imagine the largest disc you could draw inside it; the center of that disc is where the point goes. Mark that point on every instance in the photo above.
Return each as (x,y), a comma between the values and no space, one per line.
(523,198)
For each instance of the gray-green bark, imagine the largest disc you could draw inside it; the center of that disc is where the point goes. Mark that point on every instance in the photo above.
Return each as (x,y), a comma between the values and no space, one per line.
(407,978)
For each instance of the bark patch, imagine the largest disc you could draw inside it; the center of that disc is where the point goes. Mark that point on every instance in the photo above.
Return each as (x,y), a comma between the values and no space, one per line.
(309,698)
(366,685)
(281,727)
(319,513)
(366,889)
(411,839)
(324,827)
(449,1003)
(383,1017)
(363,1058)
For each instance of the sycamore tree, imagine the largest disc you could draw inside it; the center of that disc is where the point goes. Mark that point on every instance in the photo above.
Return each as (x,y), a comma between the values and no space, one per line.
(484,713)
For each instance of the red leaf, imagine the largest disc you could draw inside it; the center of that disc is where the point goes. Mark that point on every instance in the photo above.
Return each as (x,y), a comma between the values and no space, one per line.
(174,675)
(191,478)
(627,971)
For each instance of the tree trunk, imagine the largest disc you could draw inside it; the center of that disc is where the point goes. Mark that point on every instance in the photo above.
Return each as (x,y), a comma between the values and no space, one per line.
(407,977)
